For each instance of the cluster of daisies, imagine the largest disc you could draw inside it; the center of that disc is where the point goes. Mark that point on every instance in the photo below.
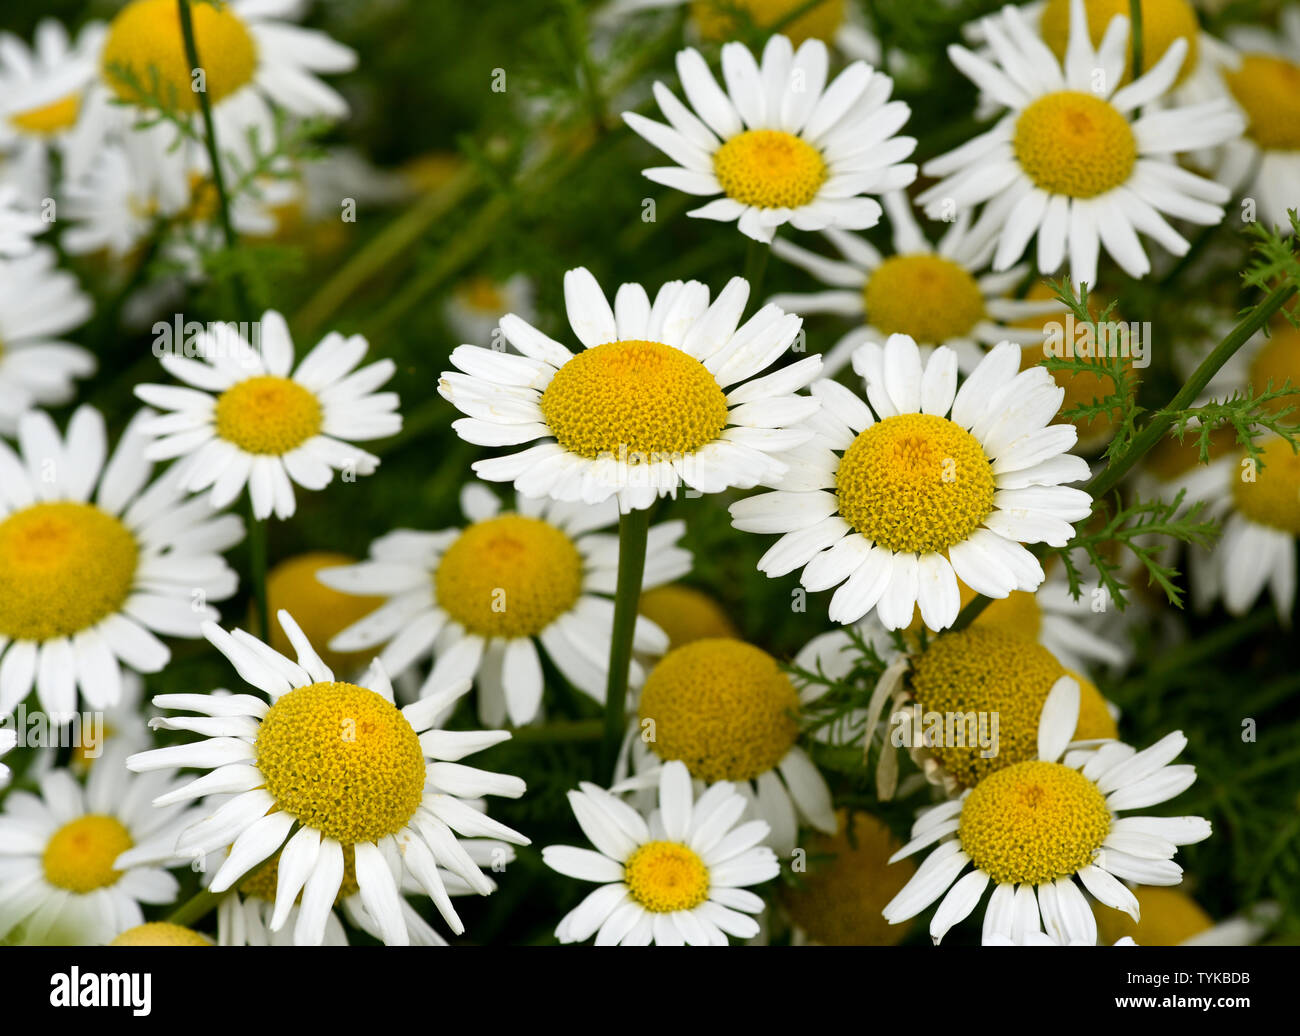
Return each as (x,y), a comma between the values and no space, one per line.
(917,464)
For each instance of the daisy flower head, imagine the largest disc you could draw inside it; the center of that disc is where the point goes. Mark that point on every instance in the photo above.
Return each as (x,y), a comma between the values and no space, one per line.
(1170,917)
(1265,162)
(928,486)
(254,63)
(1071,162)
(96,561)
(780,144)
(41,97)
(1033,828)
(38,304)
(321,612)
(66,872)
(331,775)
(246,419)
(483,598)
(677,877)
(476,305)
(935,294)
(160,933)
(727,711)
(662,394)
(686,614)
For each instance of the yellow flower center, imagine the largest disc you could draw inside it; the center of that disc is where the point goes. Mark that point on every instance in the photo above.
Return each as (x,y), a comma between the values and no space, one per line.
(482,295)
(634,397)
(717,20)
(320,611)
(1273,499)
(1169,917)
(1163,21)
(723,707)
(665,877)
(915,482)
(63,568)
(1277,362)
(144,55)
(343,760)
(982,670)
(79,856)
(1268,88)
(849,881)
(268,415)
(686,614)
(264,881)
(770,169)
(50,118)
(1095,720)
(926,296)
(1033,822)
(509,576)
(1017,613)
(1172,459)
(1075,144)
(161,933)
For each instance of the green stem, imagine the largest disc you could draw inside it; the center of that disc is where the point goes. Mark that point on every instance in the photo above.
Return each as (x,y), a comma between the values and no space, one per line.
(214,156)
(560,732)
(1109,477)
(633,531)
(1135,35)
(197,907)
(257,563)
(756,257)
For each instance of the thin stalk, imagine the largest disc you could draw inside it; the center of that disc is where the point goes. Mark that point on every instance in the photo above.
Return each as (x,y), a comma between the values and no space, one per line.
(1135,35)
(214,156)
(633,531)
(197,907)
(257,562)
(755,268)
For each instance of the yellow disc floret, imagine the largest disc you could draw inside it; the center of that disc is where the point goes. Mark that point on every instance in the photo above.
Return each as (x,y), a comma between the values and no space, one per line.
(718,20)
(770,169)
(721,706)
(63,568)
(79,856)
(686,614)
(634,397)
(1075,144)
(849,881)
(509,576)
(161,933)
(48,119)
(321,612)
(343,760)
(928,297)
(144,55)
(1163,21)
(1033,822)
(1268,89)
(1169,917)
(1273,499)
(1276,363)
(267,415)
(665,877)
(985,670)
(915,482)
(1095,719)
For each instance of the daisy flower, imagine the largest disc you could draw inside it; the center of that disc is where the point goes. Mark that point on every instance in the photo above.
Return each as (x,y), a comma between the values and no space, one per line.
(41,95)
(94,561)
(686,614)
(934,294)
(1029,173)
(1033,827)
(837,901)
(780,144)
(386,792)
(1264,164)
(321,612)
(476,305)
(64,878)
(726,710)
(939,484)
(248,421)
(160,933)
(18,224)
(1170,917)
(483,598)
(678,877)
(254,62)
(660,395)
(38,304)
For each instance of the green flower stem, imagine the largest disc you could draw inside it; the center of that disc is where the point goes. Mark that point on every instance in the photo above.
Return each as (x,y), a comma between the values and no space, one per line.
(560,732)
(1135,35)
(257,562)
(756,257)
(214,158)
(633,531)
(197,907)
(1109,477)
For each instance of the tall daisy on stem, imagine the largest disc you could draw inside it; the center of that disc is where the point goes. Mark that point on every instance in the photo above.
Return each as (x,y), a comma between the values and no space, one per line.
(663,394)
